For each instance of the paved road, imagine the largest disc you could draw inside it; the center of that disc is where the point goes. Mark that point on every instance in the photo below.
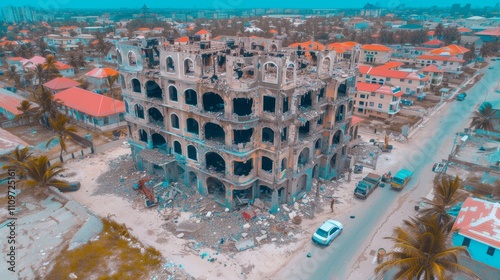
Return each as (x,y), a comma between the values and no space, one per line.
(349,256)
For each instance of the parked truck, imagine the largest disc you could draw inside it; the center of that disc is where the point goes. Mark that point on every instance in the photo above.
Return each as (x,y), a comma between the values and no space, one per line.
(367,185)
(401,178)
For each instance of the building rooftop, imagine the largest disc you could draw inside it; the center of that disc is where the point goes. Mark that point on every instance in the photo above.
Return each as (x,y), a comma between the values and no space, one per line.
(378,88)
(495,32)
(61,83)
(88,102)
(450,50)
(480,220)
(375,47)
(9,142)
(9,101)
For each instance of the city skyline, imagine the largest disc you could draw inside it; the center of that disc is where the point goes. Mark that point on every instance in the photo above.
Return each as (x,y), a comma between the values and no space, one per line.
(235,4)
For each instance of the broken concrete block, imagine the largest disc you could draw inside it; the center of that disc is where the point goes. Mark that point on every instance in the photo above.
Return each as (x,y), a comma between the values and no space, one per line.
(286,209)
(209,213)
(305,200)
(274,239)
(244,244)
(187,227)
(72,276)
(258,203)
(271,217)
(292,214)
(244,234)
(226,210)
(180,235)
(260,238)
(263,232)
(296,206)
(246,226)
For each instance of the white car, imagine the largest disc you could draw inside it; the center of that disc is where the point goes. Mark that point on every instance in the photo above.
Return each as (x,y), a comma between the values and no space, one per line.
(328,231)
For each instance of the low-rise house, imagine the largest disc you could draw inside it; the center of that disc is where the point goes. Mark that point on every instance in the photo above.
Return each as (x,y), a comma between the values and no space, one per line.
(433,44)
(409,82)
(467,41)
(9,102)
(464,31)
(478,228)
(15,61)
(205,35)
(376,100)
(158,30)
(59,84)
(434,73)
(91,109)
(490,35)
(98,76)
(70,29)
(182,40)
(64,69)
(375,54)
(450,64)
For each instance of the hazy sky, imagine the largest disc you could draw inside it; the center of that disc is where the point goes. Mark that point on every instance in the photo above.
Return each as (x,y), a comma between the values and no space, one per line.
(229,4)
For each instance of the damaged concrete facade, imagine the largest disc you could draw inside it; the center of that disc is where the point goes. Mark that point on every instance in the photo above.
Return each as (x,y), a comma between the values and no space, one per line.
(241,118)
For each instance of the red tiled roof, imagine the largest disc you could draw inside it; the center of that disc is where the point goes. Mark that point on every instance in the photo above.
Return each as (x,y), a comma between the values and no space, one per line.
(479,220)
(434,42)
(431,33)
(464,30)
(355,120)
(85,101)
(450,50)
(376,47)
(143,29)
(158,28)
(102,73)
(61,83)
(273,31)
(16,58)
(431,68)
(495,32)
(9,142)
(383,72)
(202,32)
(9,101)
(62,66)
(378,88)
(342,47)
(440,58)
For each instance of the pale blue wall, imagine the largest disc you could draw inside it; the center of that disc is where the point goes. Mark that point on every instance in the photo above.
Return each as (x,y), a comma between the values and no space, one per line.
(478,251)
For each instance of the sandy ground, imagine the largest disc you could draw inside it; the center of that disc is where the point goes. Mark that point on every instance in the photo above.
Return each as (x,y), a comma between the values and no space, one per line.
(147,224)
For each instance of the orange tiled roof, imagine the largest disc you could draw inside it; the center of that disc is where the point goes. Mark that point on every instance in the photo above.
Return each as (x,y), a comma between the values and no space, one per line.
(431,68)
(431,33)
(464,30)
(184,39)
(158,28)
(384,72)
(376,47)
(62,66)
(273,31)
(202,32)
(88,102)
(308,46)
(495,32)
(434,42)
(450,50)
(479,220)
(143,29)
(102,72)
(9,101)
(16,58)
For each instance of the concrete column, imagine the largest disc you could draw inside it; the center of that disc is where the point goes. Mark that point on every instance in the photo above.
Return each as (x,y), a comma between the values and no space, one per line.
(274,202)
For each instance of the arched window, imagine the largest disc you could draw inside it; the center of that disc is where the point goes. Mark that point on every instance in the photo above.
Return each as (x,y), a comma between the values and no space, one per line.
(136,86)
(119,57)
(139,111)
(270,72)
(170,66)
(174,121)
(177,148)
(172,93)
(126,105)
(188,67)
(192,153)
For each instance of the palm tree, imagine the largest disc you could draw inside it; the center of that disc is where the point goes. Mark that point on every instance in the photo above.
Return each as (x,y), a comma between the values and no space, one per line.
(25,107)
(50,66)
(12,74)
(41,175)
(46,102)
(17,159)
(40,74)
(446,195)
(422,251)
(60,126)
(483,118)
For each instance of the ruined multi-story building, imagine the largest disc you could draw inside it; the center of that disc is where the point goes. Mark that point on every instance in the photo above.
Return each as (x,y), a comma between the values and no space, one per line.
(238,118)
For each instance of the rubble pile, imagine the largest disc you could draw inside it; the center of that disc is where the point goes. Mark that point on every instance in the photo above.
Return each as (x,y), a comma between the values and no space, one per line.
(120,178)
